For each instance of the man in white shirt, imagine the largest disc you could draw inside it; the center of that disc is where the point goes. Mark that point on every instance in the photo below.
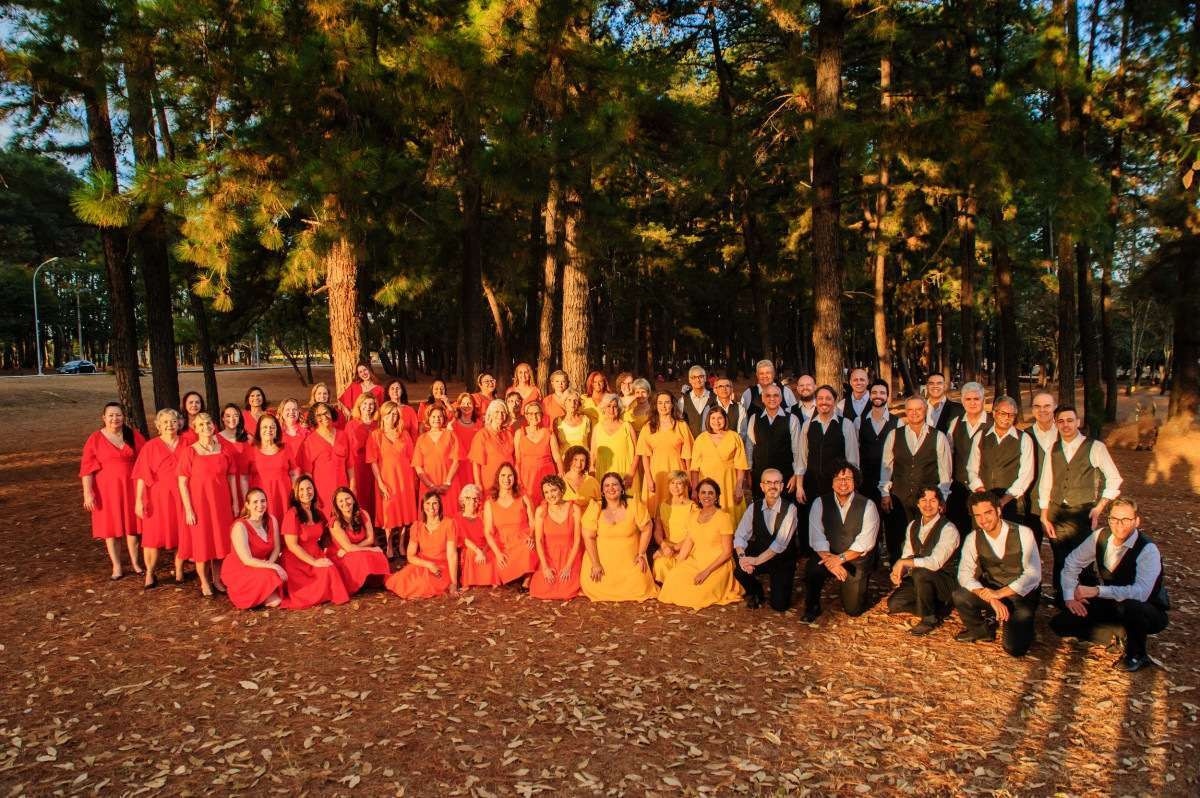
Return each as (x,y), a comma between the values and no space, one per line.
(963,435)
(734,412)
(696,400)
(764,544)
(773,441)
(806,397)
(914,455)
(843,528)
(1001,461)
(873,427)
(764,375)
(942,410)
(859,400)
(925,576)
(1129,601)
(999,572)
(826,439)
(1045,435)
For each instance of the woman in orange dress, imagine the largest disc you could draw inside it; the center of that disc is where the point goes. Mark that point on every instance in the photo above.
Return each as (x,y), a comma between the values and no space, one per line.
(233,437)
(536,450)
(559,541)
(254,407)
(252,573)
(523,384)
(432,567)
(106,471)
(353,548)
(512,403)
(397,392)
(553,405)
(664,445)
(312,577)
(437,398)
(325,455)
(271,467)
(508,527)
(492,445)
(190,405)
(364,419)
(156,495)
(293,431)
(486,394)
(464,424)
(364,383)
(476,561)
(436,458)
(207,481)
(390,455)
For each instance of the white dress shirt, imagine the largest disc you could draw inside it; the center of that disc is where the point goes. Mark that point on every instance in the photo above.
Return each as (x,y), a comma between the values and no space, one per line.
(914,440)
(972,428)
(745,527)
(789,398)
(859,403)
(863,542)
(849,438)
(1025,468)
(1099,458)
(692,396)
(1045,437)
(1149,566)
(941,553)
(793,431)
(933,413)
(875,425)
(1031,560)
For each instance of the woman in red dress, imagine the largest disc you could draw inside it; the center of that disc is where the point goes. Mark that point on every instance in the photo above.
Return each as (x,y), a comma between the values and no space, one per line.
(106,470)
(272,469)
(436,458)
(312,577)
(523,384)
(559,540)
(397,392)
(476,562)
(437,398)
(190,405)
(492,445)
(512,403)
(486,394)
(390,455)
(319,394)
(508,527)
(252,573)
(325,454)
(207,482)
(364,382)
(364,419)
(233,437)
(254,407)
(156,502)
(353,549)
(465,424)
(293,431)
(432,568)
(536,450)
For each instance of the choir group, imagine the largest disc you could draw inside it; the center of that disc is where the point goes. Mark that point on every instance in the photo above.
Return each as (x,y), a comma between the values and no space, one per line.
(695,499)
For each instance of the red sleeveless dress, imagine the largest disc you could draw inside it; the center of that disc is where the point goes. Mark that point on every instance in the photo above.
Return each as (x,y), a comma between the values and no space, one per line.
(471,573)
(308,586)
(249,586)
(513,536)
(535,462)
(357,566)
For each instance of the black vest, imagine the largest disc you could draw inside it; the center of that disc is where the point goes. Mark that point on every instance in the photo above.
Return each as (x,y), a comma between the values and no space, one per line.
(912,471)
(839,533)
(694,417)
(1076,483)
(1039,462)
(848,411)
(870,448)
(1125,573)
(996,572)
(761,537)
(1000,461)
(798,411)
(950,411)
(926,549)
(962,443)
(772,445)
(756,403)
(825,447)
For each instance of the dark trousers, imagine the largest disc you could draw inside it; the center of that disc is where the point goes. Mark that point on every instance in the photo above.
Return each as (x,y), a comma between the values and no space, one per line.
(1107,619)
(924,593)
(895,527)
(854,591)
(956,508)
(977,615)
(1071,527)
(780,571)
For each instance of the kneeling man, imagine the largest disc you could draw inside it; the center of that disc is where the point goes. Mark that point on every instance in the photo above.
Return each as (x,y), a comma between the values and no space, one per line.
(843,527)
(925,574)
(763,544)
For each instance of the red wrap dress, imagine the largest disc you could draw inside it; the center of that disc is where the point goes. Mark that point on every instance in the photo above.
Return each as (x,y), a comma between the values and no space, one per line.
(113,484)
(158,468)
(208,487)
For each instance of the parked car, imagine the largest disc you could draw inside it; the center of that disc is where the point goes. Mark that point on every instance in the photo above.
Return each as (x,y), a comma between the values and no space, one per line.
(77,367)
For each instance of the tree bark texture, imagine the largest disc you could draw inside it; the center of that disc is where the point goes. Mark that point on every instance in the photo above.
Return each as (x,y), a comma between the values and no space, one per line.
(345,332)
(552,225)
(471,296)
(1062,14)
(1006,306)
(575,287)
(880,243)
(1185,385)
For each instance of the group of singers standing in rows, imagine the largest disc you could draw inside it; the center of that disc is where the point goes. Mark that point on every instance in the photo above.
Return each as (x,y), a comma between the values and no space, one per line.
(630,495)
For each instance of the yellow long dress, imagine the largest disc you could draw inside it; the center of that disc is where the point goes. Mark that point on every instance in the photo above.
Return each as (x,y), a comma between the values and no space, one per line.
(709,539)
(635,419)
(568,436)
(617,548)
(614,451)
(588,408)
(720,462)
(674,520)
(588,492)
(667,449)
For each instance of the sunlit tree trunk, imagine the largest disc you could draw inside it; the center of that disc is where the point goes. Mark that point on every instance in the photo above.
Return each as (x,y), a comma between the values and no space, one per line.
(345,332)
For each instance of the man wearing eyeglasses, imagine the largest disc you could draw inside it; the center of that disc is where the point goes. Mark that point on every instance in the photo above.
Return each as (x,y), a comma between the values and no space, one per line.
(734,412)
(843,529)
(1077,483)
(763,544)
(1129,602)
(1001,461)
(696,400)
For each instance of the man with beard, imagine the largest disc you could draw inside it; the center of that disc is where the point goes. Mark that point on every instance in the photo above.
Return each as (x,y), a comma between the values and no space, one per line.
(873,427)
(773,441)
(764,375)
(941,410)
(764,544)
(859,401)
(964,432)
(843,529)
(914,455)
(827,441)
(926,573)
(806,397)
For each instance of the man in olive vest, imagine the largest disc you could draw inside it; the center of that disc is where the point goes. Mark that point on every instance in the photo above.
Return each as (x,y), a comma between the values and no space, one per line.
(843,528)
(926,574)
(1001,461)
(1045,435)
(1129,601)
(763,544)
(858,401)
(999,573)
(964,434)
(773,441)
(1078,480)
(696,400)
(914,455)
(873,427)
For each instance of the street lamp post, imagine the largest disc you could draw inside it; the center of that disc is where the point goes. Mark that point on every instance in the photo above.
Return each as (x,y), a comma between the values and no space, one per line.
(37,325)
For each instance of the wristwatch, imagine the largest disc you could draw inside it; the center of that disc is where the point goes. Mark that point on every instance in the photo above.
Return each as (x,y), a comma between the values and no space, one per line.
(842,558)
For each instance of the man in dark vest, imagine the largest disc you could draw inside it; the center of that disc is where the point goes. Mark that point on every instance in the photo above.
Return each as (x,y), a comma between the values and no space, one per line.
(805,406)
(843,528)
(696,400)
(926,573)
(735,414)
(964,433)
(763,544)
(764,375)
(942,410)
(858,401)
(773,441)
(827,440)
(1129,601)
(999,573)
(873,427)
(914,455)
(1001,462)
(1078,480)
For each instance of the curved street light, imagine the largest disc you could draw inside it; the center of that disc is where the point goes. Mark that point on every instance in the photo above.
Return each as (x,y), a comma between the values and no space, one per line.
(37,326)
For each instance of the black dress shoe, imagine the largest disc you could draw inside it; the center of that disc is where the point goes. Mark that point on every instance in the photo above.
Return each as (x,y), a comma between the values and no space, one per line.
(1130,664)
(922,629)
(754,602)
(968,636)
(811,613)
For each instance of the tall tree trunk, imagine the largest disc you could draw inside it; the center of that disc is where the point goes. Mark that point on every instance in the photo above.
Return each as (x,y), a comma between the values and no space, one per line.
(1089,348)
(1007,308)
(341,282)
(966,296)
(471,298)
(498,318)
(114,240)
(552,224)
(1063,14)
(208,361)
(1116,157)
(575,321)
(1185,385)
(881,243)
(826,232)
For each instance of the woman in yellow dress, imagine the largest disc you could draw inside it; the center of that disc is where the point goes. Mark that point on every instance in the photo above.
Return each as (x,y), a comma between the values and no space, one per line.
(703,572)
(612,443)
(664,445)
(638,411)
(616,534)
(582,487)
(594,389)
(671,523)
(572,428)
(719,454)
